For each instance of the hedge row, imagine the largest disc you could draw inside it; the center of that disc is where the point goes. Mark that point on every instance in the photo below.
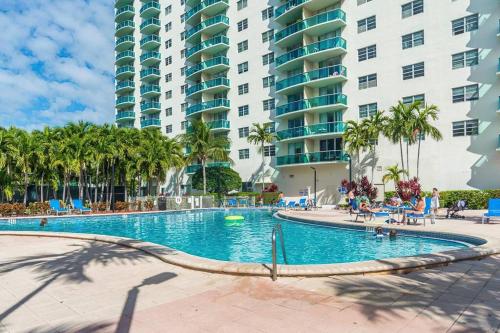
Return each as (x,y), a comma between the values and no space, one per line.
(476,199)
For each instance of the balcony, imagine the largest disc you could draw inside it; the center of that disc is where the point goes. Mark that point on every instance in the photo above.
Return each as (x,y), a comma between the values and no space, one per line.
(150,26)
(314,26)
(207,8)
(498,143)
(150,123)
(125,115)
(195,167)
(121,3)
(291,11)
(150,74)
(150,42)
(124,72)
(211,26)
(211,66)
(312,131)
(124,43)
(125,101)
(125,86)
(150,58)
(320,157)
(213,45)
(124,13)
(314,52)
(211,86)
(321,103)
(150,9)
(498,68)
(317,78)
(219,125)
(124,28)
(215,105)
(150,90)
(150,107)
(124,57)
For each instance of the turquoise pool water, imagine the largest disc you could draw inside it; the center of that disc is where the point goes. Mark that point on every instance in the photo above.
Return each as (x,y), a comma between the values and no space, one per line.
(207,234)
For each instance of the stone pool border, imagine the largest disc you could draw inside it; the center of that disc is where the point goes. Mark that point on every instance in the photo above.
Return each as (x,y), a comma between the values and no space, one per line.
(382,266)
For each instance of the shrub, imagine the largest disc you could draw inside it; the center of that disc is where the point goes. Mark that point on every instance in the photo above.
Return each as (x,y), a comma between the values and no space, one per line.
(7,209)
(121,206)
(37,208)
(98,206)
(270,197)
(220,180)
(149,204)
(363,188)
(476,199)
(271,188)
(408,189)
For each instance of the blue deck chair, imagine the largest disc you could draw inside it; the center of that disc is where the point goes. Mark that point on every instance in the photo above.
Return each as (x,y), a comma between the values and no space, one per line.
(291,204)
(424,215)
(55,206)
(303,202)
(281,204)
(78,206)
(493,210)
(243,202)
(232,203)
(357,212)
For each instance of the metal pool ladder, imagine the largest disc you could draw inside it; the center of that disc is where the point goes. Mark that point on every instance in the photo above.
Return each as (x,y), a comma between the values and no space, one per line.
(276,229)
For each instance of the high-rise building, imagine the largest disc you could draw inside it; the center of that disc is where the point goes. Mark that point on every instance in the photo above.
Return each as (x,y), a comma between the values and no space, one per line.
(307,67)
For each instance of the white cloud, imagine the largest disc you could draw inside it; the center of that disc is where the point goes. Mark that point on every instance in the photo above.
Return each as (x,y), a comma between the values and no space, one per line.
(55,55)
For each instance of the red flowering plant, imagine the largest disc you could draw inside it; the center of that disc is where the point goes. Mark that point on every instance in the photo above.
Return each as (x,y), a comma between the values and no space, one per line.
(363,188)
(271,188)
(408,189)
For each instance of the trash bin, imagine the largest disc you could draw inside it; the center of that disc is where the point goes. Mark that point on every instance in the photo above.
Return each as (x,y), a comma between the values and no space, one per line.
(162,203)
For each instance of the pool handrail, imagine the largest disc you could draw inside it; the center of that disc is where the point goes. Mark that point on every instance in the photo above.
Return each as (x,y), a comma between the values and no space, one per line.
(277,228)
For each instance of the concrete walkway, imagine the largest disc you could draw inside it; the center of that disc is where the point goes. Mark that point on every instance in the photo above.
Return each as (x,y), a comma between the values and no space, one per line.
(64,285)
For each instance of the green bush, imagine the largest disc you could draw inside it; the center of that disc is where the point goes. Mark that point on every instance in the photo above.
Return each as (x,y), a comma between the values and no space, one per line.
(220,180)
(270,197)
(476,199)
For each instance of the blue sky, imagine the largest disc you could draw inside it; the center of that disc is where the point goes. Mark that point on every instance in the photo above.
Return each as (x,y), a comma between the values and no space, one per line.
(56,62)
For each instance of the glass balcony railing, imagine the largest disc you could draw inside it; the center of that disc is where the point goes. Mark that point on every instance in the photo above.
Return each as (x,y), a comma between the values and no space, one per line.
(125,115)
(332,43)
(207,23)
(220,81)
(125,39)
(150,7)
(315,157)
(195,167)
(150,106)
(219,124)
(307,104)
(156,56)
(216,103)
(206,44)
(201,6)
(321,73)
(125,100)
(154,39)
(124,27)
(124,12)
(316,129)
(154,122)
(121,3)
(498,144)
(125,56)
(153,72)
(207,64)
(121,71)
(336,14)
(287,6)
(150,89)
(153,22)
(498,67)
(125,84)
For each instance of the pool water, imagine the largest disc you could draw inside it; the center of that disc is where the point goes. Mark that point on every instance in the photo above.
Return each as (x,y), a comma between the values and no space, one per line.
(207,234)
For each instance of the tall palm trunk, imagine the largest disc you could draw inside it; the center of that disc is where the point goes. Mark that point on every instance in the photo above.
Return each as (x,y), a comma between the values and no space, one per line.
(263,165)
(26,184)
(96,182)
(401,151)
(408,159)
(418,155)
(64,187)
(41,187)
(204,177)
(80,183)
(112,197)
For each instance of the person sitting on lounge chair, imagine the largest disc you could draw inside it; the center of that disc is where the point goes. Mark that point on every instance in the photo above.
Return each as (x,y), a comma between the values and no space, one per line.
(365,208)
(418,208)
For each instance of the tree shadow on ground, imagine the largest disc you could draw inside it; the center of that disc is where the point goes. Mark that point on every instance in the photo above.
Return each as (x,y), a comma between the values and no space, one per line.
(463,294)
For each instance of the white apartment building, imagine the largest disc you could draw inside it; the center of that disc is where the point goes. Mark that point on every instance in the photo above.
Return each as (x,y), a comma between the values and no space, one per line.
(308,66)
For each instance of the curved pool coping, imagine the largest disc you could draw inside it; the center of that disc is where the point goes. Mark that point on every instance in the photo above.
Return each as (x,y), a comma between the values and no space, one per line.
(387,266)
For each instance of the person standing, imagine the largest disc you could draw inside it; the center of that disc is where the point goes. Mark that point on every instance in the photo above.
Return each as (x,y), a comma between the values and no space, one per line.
(434,204)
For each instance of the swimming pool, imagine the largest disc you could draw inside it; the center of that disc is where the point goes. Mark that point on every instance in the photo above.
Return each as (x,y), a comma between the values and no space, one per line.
(206,233)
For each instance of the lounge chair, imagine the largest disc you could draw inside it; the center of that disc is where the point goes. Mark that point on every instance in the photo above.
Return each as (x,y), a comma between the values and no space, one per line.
(291,204)
(232,203)
(358,213)
(493,210)
(281,204)
(303,202)
(243,202)
(424,215)
(79,207)
(55,207)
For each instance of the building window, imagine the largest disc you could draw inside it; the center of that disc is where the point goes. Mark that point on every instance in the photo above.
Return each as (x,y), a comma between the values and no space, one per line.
(243,67)
(168,60)
(270,151)
(244,154)
(168,77)
(269,104)
(183,53)
(367,81)
(184,107)
(268,58)
(465,59)
(184,124)
(413,71)
(168,26)
(168,44)
(412,8)
(366,53)
(241,4)
(184,87)
(465,24)
(366,24)
(362,2)
(271,127)
(183,35)
(243,132)
(466,93)
(415,98)
(243,110)
(243,89)
(168,94)
(243,46)
(168,9)
(168,129)
(183,70)
(466,127)
(267,36)
(242,25)
(413,39)
(267,13)
(168,112)
(367,110)
(268,81)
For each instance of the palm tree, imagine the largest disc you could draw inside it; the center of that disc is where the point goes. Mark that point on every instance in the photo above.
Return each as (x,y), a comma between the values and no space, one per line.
(422,126)
(7,153)
(26,157)
(355,139)
(205,146)
(261,135)
(394,174)
(374,125)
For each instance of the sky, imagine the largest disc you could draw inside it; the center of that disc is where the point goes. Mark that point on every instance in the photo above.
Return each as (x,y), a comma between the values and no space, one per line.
(56,62)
